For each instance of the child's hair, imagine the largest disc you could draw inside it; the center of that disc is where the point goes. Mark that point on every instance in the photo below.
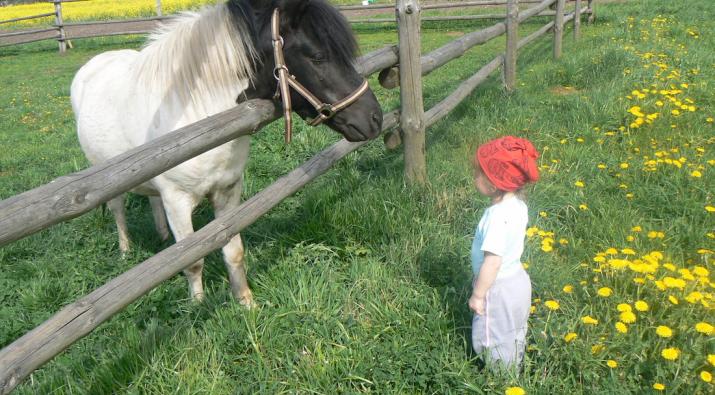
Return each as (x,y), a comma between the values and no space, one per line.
(508,162)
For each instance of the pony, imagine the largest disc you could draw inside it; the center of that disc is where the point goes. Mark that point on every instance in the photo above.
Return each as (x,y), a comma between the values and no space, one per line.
(199,64)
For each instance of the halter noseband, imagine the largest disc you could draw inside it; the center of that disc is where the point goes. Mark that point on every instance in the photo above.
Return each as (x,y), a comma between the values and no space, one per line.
(286,80)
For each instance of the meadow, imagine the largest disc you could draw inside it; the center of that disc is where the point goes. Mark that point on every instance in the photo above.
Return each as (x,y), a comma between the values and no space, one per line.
(362,281)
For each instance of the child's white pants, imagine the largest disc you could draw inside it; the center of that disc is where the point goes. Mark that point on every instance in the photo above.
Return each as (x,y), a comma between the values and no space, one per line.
(501,332)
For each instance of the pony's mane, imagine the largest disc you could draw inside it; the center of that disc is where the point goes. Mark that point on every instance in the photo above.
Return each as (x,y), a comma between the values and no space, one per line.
(198,55)
(333,30)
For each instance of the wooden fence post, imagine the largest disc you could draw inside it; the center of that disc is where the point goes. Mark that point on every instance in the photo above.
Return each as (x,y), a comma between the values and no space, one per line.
(577,21)
(412,114)
(60,26)
(558,29)
(512,40)
(591,12)
(158,8)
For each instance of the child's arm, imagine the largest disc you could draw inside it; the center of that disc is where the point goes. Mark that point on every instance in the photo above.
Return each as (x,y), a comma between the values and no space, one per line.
(487,274)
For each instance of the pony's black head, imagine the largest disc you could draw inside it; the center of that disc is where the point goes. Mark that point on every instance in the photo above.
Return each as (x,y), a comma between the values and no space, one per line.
(319,50)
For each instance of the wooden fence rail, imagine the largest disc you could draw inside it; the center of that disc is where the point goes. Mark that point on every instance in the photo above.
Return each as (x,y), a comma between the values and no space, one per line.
(64,32)
(72,195)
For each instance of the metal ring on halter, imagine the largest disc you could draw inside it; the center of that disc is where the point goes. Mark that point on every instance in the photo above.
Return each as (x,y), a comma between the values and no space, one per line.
(275,71)
(326,111)
(280,39)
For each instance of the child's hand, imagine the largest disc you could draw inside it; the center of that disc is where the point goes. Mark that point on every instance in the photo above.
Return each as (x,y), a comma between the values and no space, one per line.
(477,305)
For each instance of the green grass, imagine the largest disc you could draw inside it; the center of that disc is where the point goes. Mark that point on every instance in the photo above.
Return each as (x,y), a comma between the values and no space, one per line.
(362,282)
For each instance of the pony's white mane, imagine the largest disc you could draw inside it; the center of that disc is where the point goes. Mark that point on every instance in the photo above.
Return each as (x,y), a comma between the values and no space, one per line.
(198,56)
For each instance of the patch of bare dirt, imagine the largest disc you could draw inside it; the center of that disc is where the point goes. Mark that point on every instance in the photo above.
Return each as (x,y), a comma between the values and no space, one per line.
(564,90)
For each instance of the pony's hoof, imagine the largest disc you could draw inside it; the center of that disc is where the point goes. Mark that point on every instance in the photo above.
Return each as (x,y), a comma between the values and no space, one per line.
(197,297)
(247,302)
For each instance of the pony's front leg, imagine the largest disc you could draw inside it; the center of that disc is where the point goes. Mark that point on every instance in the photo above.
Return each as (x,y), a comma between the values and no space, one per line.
(233,257)
(222,201)
(178,207)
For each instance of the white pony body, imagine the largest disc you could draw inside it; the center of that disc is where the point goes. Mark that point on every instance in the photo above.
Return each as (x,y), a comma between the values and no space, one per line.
(194,67)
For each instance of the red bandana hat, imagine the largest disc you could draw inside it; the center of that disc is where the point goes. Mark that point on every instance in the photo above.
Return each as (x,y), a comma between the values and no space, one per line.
(509,162)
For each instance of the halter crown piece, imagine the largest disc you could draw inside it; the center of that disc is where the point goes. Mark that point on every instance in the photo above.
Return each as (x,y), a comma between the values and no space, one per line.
(286,81)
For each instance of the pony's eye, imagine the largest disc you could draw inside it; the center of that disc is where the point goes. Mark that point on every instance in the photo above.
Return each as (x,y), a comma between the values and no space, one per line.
(318,57)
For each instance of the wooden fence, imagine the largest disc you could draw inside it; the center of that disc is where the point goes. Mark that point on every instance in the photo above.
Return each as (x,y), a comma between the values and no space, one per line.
(77,193)
(64,32)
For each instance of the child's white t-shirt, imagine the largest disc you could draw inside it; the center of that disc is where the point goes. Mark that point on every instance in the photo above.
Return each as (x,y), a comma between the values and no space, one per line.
(501,231)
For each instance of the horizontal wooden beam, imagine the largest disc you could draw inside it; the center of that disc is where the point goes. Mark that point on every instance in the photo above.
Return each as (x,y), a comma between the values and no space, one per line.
(71,195)
(24,18)
(532,11)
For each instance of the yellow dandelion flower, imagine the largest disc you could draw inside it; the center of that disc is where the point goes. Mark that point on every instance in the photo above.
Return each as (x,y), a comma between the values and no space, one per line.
(671,353)
(605,292)
(672,299)
(568,288)
(671,282)
(710,209)
(569,337)
(694,297)
(641,305)
(704,327)
(701,271)
(628,251)
(664,331)
(628,317)
(543,214)
(696,174)
(706,376)
(621,327)
(636,229)
(709,119)
(596,348)
(579,184)
(588,320)
(658,387)
(623,307)
(514,391)
(552,305)
(711,359)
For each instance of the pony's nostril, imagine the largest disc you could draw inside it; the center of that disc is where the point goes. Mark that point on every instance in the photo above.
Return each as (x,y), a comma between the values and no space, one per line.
(376,118)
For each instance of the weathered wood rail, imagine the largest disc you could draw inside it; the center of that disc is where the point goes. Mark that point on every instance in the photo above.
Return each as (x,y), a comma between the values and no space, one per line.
(72,195)
(64,32)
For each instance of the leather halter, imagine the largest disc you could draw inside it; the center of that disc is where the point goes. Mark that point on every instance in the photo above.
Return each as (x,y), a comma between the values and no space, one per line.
(286,80)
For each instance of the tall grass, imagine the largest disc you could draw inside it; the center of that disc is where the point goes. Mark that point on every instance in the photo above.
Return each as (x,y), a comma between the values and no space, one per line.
(362,282)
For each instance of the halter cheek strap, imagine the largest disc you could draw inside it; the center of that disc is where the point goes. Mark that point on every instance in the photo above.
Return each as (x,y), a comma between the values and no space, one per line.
(286,81)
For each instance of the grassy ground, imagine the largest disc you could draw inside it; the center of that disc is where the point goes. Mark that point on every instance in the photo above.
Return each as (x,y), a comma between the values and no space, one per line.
(362,282)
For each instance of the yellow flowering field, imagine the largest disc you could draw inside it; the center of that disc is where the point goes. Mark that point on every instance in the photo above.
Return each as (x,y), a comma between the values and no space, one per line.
(96,10)
(638,305)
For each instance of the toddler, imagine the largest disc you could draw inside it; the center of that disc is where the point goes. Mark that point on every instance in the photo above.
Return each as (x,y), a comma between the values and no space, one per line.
(501,294)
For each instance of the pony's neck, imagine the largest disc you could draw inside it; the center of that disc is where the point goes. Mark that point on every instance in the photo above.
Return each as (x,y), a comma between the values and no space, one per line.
(198,59)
